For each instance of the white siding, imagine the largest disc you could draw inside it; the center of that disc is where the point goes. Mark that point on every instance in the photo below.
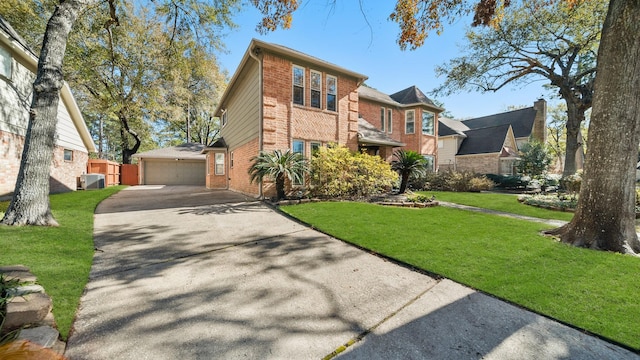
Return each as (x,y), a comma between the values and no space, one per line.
(15,99)
(447,153)
(66,133)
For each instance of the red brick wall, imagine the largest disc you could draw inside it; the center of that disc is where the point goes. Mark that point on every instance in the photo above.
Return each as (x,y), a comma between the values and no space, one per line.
(239,179)
(284,121)
(214,181)
(64,174)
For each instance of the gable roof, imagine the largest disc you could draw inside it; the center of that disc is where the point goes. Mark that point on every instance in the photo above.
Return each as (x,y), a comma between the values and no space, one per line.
(449,127)
(484,140)
(369,134)
(520,120)
(256,46)
(411,96)
(186,151)
(19,49)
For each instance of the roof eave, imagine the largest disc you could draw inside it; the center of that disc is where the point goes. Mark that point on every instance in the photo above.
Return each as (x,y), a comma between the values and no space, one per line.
(364,140)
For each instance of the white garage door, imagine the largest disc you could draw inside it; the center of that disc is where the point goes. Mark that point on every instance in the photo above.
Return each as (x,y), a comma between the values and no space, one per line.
(174,172)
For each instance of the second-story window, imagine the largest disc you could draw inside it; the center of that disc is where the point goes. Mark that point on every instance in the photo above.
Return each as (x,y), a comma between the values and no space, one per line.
(427,122)
(298,85)
(5,63)
(382,121)
(332,92)
(409,121)
(316,89)
(223,118)
(389,121)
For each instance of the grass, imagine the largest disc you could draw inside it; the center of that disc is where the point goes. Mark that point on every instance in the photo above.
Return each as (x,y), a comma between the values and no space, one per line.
(60,257)
(505,257)
(500,202)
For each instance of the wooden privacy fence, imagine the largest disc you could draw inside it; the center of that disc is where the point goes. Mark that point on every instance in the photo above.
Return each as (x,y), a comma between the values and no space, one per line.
(110,170)
(129,174)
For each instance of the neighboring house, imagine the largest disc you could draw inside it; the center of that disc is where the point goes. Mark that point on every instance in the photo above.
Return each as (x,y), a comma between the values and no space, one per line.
(178,165)
(280,98)
(73,142)
(490,144)
(408,117)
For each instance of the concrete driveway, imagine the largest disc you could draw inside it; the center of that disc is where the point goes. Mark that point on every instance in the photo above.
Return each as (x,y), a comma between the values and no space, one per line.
(188,273)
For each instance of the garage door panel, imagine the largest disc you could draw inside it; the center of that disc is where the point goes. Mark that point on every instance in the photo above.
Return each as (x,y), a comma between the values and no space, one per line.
(174,172)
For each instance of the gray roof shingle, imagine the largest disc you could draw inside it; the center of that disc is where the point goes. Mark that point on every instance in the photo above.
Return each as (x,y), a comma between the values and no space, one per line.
(520,120)
(187,151)
(484,140)
(369,134)
(412,95)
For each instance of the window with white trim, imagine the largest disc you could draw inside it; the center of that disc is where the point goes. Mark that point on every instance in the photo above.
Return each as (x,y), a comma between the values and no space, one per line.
(5,63)
(315,83)
(383,122)
(315,146)
(332,92)
(219,164)
(298,85)
(428,122)
(428,162)
(389,121)
(223,118)
(298,147)
(409,121)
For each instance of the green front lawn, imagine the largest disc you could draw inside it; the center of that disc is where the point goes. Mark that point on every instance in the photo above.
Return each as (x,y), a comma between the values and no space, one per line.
(505,257)
(499,202)
(61,256)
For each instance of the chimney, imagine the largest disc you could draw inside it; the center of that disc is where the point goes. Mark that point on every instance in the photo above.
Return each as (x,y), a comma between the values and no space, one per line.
(539,131)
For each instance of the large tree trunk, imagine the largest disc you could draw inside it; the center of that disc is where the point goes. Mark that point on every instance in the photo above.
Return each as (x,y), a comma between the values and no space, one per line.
(605,217)
(575,117)
(30,202)
(125,133)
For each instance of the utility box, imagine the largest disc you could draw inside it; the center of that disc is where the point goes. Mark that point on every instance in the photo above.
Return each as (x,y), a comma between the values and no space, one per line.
(92,181)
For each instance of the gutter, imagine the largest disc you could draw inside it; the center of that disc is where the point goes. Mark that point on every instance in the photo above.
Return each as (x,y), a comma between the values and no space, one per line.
(254,54)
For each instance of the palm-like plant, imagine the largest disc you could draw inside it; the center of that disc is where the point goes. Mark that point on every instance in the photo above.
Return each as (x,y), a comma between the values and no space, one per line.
(408,163)
(278,165)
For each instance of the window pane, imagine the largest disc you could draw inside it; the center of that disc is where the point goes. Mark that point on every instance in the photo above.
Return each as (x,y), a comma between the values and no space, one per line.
(429,162)
(331,102)
(298,95)
(298,146)
(316,80)
(5,63)
(409,122)
(219,159)
(68,155)
(389,122)
(382,121)
(427,122)
(315,99)
(298,76)
(315,147)
(331,85)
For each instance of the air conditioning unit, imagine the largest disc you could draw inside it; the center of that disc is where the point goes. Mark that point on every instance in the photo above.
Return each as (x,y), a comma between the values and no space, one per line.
(92,181)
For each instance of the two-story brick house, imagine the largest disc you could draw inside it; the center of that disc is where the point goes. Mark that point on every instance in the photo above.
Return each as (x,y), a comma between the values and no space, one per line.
(280,98)
(407,116)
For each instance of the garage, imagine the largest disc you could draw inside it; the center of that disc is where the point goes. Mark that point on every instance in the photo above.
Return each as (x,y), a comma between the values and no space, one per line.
(177,165)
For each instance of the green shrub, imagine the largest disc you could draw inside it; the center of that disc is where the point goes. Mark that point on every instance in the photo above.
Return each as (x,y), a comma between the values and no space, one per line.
(337,172)
(420,198)
(460,181)
(508,182)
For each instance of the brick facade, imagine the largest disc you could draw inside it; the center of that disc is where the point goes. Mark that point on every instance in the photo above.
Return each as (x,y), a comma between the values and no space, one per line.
(239,179)
(64,174)
(481,163)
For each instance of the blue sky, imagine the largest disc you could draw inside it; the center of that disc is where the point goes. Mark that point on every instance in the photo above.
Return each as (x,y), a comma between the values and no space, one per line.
(340,34)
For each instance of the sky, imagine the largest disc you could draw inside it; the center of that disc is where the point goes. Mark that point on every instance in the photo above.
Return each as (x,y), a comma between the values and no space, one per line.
(364,41)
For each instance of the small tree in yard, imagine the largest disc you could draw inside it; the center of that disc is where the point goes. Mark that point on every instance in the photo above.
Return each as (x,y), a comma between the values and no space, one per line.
(534,159)
(407,164)
(277,166)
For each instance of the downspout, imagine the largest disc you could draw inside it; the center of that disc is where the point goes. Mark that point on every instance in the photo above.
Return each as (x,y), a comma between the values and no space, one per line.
(261,101)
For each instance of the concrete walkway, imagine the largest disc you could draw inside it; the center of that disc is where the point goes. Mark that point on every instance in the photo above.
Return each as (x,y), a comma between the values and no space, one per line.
(187,273)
